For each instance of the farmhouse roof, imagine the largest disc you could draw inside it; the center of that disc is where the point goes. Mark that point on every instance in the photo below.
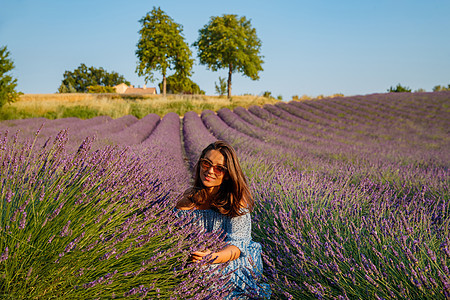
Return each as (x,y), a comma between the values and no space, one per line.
(124,89)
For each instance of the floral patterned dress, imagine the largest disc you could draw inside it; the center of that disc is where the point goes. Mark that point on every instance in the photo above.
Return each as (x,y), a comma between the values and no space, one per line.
(247,269)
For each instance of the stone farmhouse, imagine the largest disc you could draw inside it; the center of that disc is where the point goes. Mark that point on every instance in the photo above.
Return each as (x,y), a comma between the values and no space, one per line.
(125,89)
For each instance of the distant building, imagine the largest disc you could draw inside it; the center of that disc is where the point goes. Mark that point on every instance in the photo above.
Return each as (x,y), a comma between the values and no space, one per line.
(125,89)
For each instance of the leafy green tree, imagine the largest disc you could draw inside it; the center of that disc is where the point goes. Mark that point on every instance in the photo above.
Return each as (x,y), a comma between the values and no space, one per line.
(221,88)
(161,47)
(79,80)
(229,42)
(399,89)
(8,84)
(179,84)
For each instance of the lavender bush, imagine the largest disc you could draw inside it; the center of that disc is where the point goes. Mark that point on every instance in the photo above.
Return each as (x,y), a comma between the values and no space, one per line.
(329,239)
(93,225)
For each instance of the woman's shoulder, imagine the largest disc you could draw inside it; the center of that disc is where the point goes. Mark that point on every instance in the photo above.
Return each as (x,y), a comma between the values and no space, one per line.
(184,202)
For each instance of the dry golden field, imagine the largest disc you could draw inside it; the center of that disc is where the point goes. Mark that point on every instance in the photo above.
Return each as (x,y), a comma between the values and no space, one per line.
(84,106)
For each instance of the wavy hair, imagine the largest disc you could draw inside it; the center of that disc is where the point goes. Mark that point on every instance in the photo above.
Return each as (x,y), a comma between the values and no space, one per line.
(234,197)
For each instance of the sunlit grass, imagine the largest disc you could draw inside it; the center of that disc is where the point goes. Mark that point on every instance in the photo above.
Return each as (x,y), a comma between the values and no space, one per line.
(54,106)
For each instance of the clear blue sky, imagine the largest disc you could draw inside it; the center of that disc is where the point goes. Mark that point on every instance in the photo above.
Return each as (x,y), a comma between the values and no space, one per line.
(310,47)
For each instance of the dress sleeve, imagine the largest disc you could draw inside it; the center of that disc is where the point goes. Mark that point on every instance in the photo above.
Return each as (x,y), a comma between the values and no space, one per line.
(239,232)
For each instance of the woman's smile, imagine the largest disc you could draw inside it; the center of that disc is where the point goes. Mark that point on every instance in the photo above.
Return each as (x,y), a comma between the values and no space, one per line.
(209,178)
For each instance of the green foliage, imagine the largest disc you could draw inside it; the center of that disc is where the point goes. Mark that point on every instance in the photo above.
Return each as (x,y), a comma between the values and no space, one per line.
(82,112)
(280,97)
(66,88)
(399,89)
(221,88)
(161,47)
(267,94)
(61,111)
(229,42)
(8,84)
(439,88)
(79,80)
(98,89)
(179,84)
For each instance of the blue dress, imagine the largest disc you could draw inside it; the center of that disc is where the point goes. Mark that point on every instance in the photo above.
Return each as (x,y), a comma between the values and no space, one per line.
(247,269)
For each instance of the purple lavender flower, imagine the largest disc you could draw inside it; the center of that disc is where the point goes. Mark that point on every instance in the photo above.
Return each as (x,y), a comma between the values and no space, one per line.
(23,221)
(4,255)
(65,231)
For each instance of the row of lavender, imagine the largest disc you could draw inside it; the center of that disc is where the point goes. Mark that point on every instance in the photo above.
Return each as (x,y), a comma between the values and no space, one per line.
(400,155)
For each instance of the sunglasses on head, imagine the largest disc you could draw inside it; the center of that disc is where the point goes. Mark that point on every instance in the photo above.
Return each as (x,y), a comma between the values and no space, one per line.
(206,164)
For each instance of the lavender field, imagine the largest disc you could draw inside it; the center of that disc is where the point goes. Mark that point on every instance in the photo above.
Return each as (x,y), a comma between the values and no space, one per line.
(352,200)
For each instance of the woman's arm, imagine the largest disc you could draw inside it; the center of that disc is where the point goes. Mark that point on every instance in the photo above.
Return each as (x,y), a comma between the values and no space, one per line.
(228,253)
(238,236)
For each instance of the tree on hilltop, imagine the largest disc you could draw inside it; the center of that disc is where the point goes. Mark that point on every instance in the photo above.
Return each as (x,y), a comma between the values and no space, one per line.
(399,89)
(84,79)
(229,42)
(8,84)
(161,47)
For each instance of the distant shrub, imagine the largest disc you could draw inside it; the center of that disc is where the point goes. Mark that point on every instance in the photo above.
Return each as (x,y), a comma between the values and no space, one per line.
(303,97)
(267,94)
(337,95)
(99,89)
(177,84)
(280,97)
(439,88)
(221,88)
(399,89)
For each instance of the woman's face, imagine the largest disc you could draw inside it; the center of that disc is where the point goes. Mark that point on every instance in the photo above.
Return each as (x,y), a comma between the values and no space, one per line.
(212,169)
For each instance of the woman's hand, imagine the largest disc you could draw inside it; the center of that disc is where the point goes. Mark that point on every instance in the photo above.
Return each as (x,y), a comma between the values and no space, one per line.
(199,255)
(228,253)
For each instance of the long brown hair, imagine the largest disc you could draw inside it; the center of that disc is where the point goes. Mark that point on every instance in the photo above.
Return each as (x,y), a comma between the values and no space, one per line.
(234,197)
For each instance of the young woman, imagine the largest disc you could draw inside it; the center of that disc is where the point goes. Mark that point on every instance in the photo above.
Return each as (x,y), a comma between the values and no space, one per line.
(221,200)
